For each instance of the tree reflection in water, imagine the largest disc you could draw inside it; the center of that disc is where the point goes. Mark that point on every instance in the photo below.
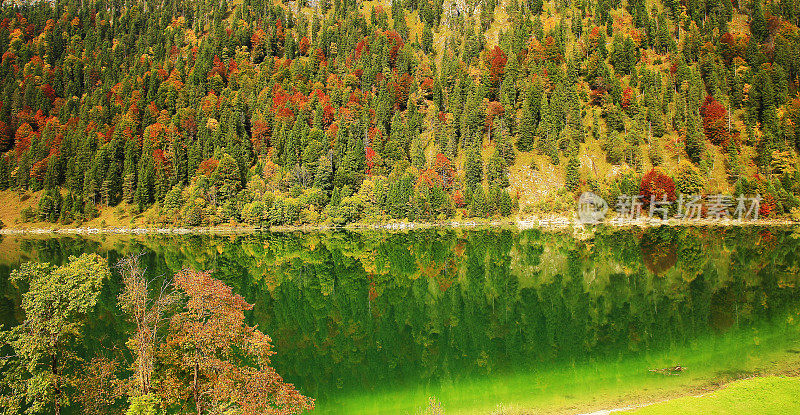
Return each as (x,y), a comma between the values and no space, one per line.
(372,311)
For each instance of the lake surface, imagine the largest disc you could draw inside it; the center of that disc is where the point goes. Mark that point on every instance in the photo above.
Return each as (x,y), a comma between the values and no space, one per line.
(374,322)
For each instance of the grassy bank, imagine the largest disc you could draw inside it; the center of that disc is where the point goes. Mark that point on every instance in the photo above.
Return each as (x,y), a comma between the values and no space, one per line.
(767,395)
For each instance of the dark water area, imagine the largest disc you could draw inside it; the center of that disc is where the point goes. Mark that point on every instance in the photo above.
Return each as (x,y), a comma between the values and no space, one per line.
(373,322)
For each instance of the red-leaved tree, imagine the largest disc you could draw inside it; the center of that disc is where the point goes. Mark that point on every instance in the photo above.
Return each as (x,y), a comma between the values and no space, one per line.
(715,120)
(496,63)
(216,361)
(445,169)
(207,166)
(628,97)
(370,155)
(260,136)
(656,183)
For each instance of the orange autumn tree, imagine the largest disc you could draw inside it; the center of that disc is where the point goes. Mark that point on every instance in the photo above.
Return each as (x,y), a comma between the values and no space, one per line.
(215,361)
(496,66)
(715,120)
(656,184)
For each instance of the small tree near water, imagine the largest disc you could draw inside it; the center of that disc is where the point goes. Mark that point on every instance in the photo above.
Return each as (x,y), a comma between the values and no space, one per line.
(147,311)
(215,361)
(39,375)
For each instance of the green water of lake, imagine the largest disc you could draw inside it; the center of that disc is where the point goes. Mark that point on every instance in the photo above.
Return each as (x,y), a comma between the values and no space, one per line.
(375,322)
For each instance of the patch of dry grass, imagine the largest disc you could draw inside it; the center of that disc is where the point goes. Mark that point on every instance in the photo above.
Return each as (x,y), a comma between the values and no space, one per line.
(12,203)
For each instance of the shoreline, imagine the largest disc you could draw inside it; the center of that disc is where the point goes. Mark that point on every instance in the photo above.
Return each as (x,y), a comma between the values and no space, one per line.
(788,367)
(703,393)
(549,222)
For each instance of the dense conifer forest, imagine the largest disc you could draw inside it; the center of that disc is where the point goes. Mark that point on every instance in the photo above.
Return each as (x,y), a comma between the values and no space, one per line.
(198,113)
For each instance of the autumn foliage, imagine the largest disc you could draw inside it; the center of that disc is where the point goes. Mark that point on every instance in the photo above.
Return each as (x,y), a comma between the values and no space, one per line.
(362,90)
(215,360)
(656,184)
(496,62)
(444,168)
(370,158)
(208,166)
(732,46)
(767,206)
(715,119)
(628,97)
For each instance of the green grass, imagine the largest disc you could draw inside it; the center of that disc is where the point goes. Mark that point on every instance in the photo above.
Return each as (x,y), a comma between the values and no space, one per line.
(768,395)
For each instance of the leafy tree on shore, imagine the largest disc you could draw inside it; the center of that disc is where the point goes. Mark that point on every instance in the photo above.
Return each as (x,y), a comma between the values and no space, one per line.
(214,360)
(147,309)
(41,377)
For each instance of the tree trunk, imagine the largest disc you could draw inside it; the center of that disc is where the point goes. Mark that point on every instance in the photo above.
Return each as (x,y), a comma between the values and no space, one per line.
(196,391)
(56,387)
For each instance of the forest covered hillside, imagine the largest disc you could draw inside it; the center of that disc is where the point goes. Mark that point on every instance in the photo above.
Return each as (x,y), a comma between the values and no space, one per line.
(198,113)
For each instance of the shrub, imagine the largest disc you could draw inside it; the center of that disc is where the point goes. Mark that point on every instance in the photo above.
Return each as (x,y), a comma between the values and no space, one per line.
(252,213)
(688,179)
(349,210)
(28,214)
(795,215)
(143,405)
(614,148)
(656,152)
(194,213)
(309,215)
(623,184)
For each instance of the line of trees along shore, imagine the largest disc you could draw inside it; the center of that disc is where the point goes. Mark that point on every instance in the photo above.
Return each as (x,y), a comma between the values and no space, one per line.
(264,113)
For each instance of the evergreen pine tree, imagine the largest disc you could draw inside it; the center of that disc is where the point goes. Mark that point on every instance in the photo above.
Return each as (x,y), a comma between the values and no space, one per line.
(129,171)
(496,170)
(572,174)
(418,154)
(227,178)
(324,176)
(5,174)
(758,24)
(473,167)
(527,127)
(146,177)
(479,204)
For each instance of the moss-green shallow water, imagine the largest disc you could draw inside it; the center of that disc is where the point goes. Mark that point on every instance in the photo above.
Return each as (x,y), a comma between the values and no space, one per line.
(379,323)
(602,383)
